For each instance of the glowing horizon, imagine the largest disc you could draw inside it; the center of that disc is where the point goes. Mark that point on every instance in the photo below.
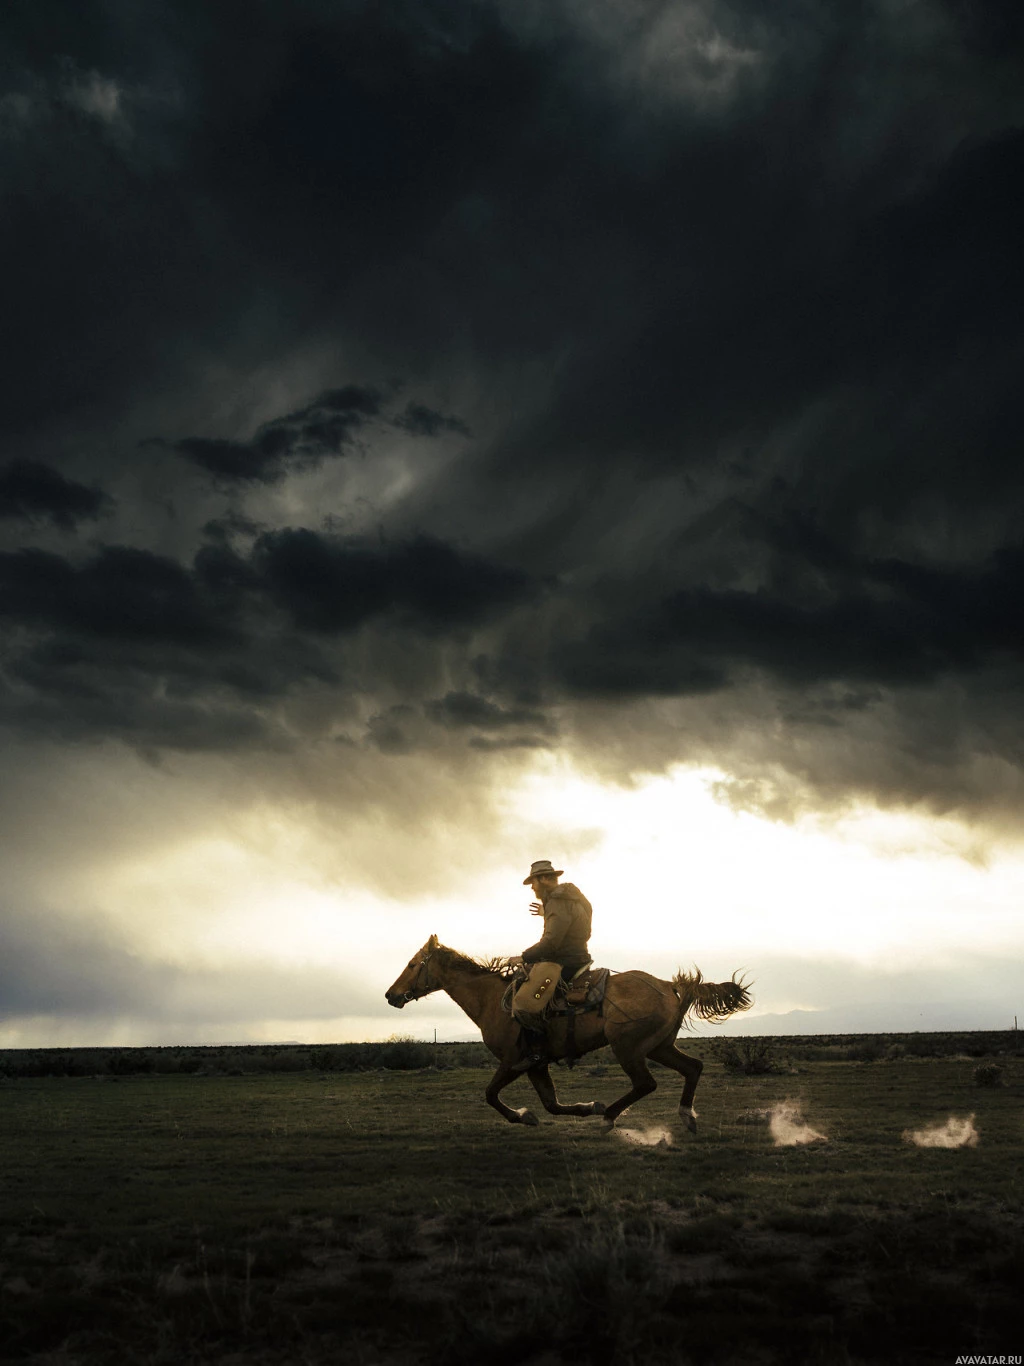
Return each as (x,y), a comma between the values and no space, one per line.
(675,875)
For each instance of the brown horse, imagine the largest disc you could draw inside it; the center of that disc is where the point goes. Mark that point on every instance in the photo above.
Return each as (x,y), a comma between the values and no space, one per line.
(640,1019)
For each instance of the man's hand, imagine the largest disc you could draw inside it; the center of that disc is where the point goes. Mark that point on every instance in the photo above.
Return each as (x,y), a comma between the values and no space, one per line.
(516,962)
(536,908)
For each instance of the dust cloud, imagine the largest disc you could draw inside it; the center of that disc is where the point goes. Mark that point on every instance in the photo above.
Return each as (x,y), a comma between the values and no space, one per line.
(655,1137)
(955,1133)
(788,1128)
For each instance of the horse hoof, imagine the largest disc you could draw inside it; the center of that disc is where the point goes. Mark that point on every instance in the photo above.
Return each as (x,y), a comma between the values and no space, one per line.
(609,1125)
(689,1119)
(597,1107)
(528,1117)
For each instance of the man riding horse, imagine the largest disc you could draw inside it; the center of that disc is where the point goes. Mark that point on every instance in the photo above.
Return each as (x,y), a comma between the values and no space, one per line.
(560,951)
(639,1017)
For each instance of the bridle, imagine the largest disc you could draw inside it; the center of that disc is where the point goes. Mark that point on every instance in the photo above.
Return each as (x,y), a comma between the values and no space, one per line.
(412,994)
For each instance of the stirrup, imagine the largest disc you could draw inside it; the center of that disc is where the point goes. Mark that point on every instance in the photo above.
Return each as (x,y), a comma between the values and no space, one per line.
(531,1060)
(533,1046)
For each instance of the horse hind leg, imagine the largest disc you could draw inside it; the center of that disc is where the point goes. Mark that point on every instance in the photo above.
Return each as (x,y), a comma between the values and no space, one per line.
(689,1069)
(545,1088)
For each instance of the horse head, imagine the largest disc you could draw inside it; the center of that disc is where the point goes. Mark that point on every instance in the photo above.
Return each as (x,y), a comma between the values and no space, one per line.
(415,979)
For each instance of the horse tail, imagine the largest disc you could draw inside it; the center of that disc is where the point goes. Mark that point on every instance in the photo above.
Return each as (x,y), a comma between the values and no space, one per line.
(710,1001)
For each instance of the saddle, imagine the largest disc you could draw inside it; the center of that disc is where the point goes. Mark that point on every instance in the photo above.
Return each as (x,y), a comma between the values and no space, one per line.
(583,992)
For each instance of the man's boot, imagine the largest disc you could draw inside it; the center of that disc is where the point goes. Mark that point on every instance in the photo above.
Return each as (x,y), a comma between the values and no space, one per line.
(532,1048)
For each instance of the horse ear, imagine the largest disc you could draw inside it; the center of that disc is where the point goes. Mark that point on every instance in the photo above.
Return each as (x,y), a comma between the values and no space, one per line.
(433,942)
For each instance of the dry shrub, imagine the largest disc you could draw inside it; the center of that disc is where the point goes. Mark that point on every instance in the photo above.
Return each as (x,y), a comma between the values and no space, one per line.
(988,1074)
(751,1058)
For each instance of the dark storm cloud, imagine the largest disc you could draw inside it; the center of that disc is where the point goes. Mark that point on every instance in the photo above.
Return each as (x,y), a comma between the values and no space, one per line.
(701,267)
(122,593)
(462,709)
(323,583)
(485,742)
(423,421)
(885,622)
(240,188)
(328,585)
(730,299)
(781,290)
(300,440)
(33,491)
(138,645)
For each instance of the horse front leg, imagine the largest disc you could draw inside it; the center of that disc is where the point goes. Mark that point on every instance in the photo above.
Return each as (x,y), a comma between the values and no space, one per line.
(498,1082)
(545,1088)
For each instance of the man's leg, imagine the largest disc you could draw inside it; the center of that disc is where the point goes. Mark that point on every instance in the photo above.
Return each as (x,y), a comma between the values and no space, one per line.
(529,1006)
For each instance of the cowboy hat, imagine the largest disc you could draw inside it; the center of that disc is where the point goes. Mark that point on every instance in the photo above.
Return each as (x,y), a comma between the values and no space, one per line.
(540,868)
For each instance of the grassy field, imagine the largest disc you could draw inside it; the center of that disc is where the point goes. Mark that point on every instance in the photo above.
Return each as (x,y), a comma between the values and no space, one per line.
(386,1217)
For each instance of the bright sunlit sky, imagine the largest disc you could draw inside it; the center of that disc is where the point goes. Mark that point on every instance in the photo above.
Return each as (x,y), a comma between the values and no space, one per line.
(851,911)
(439,437)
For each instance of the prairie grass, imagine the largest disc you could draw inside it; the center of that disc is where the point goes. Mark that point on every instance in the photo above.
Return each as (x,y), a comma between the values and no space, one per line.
(384,1217)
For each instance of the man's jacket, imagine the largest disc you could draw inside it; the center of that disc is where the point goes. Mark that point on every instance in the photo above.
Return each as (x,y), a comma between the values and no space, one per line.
(567,915)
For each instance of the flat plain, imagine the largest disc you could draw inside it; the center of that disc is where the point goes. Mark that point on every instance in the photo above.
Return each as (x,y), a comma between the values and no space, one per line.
(391,1217)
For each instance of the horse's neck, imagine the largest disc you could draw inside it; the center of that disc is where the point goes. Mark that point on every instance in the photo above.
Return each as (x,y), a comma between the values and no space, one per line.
(474,993)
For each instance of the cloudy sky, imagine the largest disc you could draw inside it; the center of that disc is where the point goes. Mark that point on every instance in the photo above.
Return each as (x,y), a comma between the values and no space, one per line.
(438,436)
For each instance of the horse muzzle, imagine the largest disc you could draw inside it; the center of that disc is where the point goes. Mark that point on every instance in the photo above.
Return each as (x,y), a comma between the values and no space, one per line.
(397,998)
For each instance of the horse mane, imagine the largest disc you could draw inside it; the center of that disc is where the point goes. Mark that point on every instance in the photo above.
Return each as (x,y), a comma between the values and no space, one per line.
(462,962)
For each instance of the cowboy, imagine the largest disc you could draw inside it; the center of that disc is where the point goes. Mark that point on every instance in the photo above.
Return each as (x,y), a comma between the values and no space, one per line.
(560,951)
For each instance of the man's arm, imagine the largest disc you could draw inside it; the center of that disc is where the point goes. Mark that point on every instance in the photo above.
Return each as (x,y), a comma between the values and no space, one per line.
(557,919)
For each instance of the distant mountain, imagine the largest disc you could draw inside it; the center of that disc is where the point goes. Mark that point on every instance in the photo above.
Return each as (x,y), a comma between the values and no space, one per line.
(874,1017)
(860,1017)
